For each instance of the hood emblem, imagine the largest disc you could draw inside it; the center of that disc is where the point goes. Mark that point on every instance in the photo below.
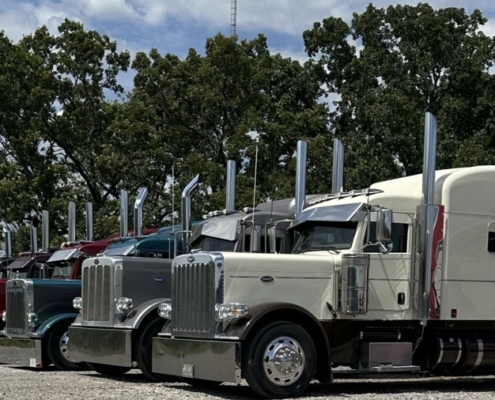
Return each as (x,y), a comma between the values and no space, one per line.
(97,261)
(267,279)
(190,259)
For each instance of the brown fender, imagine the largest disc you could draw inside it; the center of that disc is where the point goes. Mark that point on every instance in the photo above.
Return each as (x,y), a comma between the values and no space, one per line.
(262,314)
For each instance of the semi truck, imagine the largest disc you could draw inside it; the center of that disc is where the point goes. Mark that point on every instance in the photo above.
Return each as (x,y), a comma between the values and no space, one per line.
(116,324)
(39,310)
(26,265)
(391,278)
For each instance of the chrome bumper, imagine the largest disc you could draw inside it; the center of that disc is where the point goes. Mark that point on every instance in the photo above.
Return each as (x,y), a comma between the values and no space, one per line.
(101,346)
(24,352)
(200,359)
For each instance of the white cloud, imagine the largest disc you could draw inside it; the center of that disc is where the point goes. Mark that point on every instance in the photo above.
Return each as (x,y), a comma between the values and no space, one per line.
(176,25)
(107,10)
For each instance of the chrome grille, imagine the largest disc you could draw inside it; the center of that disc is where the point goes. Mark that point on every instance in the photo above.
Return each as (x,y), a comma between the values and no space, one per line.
(193,300)
(97,293)
(16,308)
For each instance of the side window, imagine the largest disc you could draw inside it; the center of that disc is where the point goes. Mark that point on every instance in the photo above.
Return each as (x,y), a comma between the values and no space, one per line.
(399,239)
(491,237)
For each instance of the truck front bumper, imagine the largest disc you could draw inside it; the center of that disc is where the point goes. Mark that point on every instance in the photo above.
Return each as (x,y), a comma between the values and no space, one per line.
(24,352)
(199,359)
(101,346)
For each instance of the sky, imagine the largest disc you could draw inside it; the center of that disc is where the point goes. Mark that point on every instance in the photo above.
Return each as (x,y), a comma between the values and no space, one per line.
(174,26)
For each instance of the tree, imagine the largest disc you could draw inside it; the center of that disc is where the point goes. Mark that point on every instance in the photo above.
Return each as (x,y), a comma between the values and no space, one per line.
(199,112)
(411,59)
(55,146)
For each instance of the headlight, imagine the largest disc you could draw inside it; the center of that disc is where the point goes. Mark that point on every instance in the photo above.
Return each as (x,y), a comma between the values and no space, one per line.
(124,304)
(32,319)
(4,316)
(165,310)
(77,303)
(230,310)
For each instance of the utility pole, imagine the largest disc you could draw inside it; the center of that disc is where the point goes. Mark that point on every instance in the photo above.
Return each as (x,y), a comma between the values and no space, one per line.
(233,17)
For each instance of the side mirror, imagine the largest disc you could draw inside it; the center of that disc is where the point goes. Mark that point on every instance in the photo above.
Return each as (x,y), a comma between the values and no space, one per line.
(384,221)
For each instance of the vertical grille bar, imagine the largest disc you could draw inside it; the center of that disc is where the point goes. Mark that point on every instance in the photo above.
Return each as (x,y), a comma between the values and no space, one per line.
(193,299)
(97,291)
(16,309)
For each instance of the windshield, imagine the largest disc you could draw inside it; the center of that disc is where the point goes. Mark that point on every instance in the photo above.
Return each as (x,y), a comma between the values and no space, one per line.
(325,236)
(61,269)
(19,273)
(207,243)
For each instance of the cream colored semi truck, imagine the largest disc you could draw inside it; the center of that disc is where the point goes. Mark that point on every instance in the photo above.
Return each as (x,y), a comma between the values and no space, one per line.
(397,277)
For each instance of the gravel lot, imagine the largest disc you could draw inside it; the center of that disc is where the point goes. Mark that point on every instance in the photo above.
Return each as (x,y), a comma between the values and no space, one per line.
(20,383)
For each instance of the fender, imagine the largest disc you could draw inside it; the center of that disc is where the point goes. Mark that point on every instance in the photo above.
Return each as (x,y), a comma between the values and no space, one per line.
(142,311)
(47,324)
(261,314)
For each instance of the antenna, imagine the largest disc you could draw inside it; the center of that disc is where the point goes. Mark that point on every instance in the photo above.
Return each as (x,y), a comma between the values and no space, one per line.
(233,17)
(172,234)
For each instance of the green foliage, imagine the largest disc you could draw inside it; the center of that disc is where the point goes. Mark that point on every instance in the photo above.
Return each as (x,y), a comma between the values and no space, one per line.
(68,132)
(197,113)
(411,59)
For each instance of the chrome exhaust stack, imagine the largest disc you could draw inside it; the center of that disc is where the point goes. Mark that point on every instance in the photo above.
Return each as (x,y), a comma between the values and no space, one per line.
(187,193)
(230,186)
(89,222)
(8,241)
(72,222)
(124,213)
(301,175)
(338,167)
(45,233)
(429,215)
(138,212)
(34,238)
(429,158)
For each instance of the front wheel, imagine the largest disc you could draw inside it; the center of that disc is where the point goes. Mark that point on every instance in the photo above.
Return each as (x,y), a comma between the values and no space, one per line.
(57,346)
(279,361)
(144,350)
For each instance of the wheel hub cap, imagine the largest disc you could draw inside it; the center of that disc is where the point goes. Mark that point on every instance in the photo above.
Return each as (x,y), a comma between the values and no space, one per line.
(283,361)
(64,346)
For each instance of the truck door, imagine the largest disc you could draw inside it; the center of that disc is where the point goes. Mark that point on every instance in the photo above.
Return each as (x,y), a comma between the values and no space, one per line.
(390,274)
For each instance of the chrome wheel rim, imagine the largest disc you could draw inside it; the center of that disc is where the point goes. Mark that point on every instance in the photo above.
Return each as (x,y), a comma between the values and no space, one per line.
(283,361)
(63,346)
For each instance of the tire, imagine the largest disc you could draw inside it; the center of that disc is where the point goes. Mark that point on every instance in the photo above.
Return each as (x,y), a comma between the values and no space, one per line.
(279,339)
(109,370)
(144,350)
(58,353)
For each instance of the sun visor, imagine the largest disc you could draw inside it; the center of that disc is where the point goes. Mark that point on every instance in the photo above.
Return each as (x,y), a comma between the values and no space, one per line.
(223,227)
(336,213)
(64,255)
